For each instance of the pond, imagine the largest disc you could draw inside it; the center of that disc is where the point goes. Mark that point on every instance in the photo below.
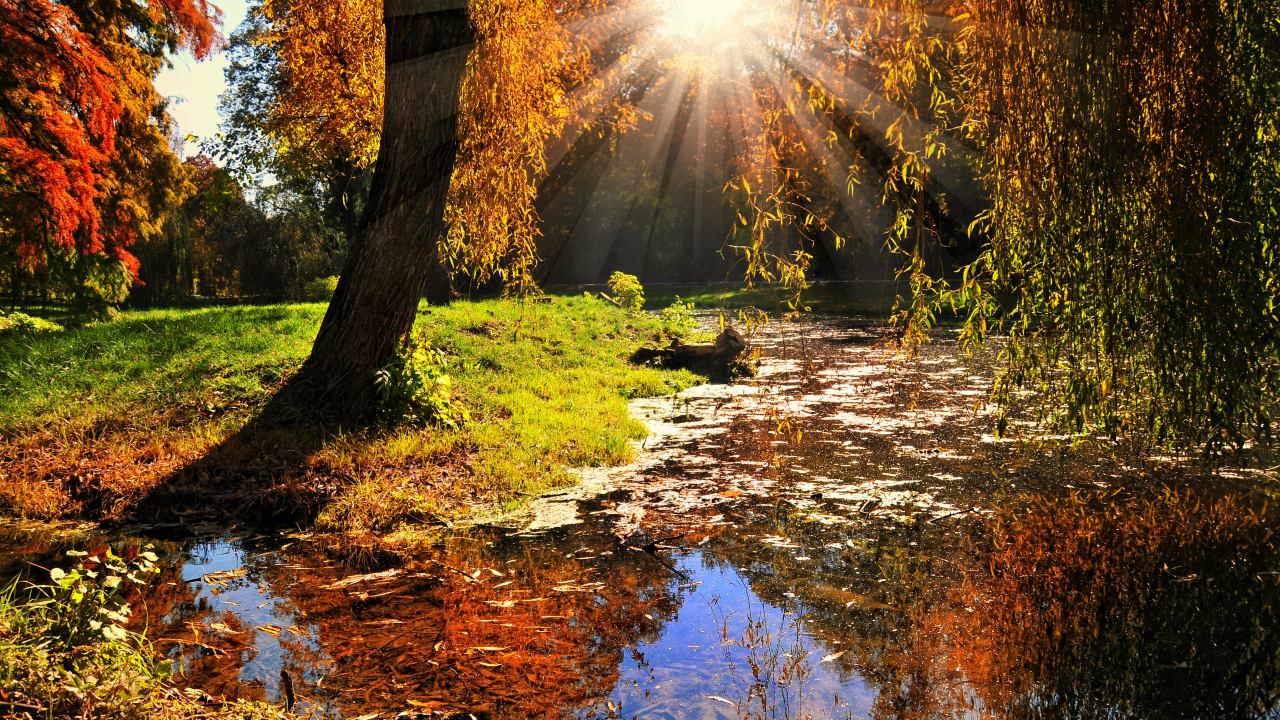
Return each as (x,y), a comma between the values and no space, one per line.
(840,537)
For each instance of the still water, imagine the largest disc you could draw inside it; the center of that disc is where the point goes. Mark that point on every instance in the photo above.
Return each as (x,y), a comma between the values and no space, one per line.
(838,538)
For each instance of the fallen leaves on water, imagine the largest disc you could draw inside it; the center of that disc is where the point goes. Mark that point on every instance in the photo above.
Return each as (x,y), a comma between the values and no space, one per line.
(272,630)
(222,576)
(717,698)
(573,587)
(612,707)
(352,580)
(501,603)
(833,656)
(223,628)
(487,648)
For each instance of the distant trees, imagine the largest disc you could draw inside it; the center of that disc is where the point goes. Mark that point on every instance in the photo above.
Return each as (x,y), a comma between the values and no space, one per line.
(221,244)
(85,165)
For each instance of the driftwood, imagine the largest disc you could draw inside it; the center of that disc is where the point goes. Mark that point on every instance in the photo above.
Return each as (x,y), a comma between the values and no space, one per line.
(726,356)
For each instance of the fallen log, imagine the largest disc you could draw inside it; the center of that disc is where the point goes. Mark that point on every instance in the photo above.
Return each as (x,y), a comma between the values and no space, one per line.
(727,356)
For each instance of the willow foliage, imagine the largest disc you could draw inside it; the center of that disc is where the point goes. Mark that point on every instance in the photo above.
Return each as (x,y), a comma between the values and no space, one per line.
(1131,154)
(512,104)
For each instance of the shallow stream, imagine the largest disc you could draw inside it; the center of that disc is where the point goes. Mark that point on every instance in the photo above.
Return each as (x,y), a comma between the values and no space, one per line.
(839,537)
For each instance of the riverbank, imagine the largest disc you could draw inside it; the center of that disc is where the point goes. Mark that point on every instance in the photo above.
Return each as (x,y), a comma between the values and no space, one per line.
(149,421)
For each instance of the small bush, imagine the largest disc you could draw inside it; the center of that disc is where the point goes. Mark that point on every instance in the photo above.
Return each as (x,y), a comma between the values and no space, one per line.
(627,290)
(65,651)
(678,320)
(22,323)
(68,649)
(320,289)
(413,388)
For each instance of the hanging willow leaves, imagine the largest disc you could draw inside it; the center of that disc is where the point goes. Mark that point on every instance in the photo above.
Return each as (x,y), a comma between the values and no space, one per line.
(511,106)
(1129,151)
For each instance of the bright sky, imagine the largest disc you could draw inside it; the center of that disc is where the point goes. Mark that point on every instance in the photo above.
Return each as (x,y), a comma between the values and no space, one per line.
(195,86)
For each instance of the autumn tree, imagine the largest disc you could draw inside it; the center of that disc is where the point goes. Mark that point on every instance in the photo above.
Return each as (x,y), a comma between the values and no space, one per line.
(471,95)
(85,164)
(305,103)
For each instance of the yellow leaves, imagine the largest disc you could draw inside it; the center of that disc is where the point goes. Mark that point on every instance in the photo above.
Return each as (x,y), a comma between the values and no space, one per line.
(333,52)
(512,103)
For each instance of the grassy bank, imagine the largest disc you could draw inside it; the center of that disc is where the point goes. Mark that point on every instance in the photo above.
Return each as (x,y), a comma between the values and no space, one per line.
(873,300)
(154,415)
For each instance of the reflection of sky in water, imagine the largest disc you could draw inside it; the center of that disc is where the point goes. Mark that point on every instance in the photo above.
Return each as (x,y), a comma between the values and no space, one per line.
(692,665)
(253,603)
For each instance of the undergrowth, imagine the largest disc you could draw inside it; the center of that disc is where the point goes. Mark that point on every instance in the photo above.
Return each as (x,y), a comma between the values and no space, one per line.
(66,652)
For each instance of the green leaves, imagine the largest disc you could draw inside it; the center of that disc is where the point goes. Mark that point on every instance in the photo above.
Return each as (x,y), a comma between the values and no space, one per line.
(627,290)
(1129,239)
(413,388)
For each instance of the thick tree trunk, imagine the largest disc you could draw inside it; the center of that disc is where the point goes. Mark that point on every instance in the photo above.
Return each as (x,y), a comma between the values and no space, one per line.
(428,42)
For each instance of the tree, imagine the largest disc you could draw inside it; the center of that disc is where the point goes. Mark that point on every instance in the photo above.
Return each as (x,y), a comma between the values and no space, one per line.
(85,167)
(495,69)
(224,244)
(304,103)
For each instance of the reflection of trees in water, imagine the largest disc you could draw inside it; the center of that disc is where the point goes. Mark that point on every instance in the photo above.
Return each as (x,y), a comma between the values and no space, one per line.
(547,643)
(1159,607)
(1164,607)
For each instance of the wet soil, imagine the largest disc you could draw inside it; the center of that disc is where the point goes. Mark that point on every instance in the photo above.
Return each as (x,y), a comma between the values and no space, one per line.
(841,536)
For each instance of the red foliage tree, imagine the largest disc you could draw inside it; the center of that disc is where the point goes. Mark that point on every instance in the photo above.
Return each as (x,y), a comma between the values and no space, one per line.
(84,164)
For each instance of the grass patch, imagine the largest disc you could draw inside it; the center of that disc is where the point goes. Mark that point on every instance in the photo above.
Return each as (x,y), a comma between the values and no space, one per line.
(154,412)
(873,300)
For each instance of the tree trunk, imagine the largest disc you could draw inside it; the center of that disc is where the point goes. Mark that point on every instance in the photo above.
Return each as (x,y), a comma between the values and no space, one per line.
(389,260)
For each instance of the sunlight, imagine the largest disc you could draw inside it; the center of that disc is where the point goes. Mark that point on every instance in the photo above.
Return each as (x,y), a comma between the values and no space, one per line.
(702,20)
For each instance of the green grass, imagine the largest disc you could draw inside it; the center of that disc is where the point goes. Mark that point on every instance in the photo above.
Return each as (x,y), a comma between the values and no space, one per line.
(849,299)
(125,403)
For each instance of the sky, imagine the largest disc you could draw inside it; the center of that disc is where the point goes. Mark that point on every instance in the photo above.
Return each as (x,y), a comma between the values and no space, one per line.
(194,86)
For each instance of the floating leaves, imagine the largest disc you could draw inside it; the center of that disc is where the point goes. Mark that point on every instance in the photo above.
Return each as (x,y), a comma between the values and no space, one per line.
(348,581)
(222,576)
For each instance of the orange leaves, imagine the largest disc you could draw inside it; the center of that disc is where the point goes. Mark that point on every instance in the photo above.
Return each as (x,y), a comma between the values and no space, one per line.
(331,106)
(56,128)
(511,106)
(82,159)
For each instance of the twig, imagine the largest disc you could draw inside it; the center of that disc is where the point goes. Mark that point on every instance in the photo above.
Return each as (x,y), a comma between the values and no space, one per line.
(957,512)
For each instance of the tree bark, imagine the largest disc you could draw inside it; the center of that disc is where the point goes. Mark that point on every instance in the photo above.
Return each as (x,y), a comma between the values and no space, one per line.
(376,300)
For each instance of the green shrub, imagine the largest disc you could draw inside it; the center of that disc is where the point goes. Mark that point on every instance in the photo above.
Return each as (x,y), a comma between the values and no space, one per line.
(627,290)
(413,388)
(68,649)
(678,320)
(320,289)
(65,651)
(20,323)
